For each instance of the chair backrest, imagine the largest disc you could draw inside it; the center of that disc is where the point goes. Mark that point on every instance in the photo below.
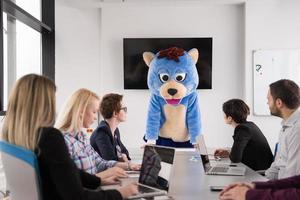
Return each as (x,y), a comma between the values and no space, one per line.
(275,150)
(21,172)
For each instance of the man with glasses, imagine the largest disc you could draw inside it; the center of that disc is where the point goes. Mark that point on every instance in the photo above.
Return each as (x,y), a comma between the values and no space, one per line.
(106,137)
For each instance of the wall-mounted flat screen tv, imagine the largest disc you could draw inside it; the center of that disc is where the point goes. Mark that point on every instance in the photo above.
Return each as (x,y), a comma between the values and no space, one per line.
(135,69)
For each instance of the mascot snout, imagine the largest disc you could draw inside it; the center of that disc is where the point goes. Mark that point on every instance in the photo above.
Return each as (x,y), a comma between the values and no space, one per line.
(173,92)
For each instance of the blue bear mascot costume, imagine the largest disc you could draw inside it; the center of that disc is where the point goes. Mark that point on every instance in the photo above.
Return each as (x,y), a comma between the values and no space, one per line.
(174,114)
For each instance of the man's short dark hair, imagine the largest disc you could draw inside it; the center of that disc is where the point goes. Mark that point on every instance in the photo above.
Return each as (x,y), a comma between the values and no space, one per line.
(286,90)
(110,103)
(237,109)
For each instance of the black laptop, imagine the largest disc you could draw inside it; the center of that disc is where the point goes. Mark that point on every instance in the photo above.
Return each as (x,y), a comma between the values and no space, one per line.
(154,179)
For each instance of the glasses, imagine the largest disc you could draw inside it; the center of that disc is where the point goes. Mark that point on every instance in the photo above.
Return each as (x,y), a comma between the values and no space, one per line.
(124,108)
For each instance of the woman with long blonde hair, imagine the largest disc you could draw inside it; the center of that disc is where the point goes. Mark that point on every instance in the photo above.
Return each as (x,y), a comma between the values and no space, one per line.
(29,119)
(81,111)
(31,106)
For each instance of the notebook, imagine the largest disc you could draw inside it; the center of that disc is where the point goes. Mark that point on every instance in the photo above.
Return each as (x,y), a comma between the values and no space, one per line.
(154,179)
(220,169)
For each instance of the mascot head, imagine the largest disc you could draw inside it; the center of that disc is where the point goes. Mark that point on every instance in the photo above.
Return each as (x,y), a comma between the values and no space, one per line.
(172,73)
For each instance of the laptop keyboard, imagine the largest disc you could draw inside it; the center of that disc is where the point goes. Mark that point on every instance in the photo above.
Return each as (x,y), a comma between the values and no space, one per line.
(219,169)
(143,189)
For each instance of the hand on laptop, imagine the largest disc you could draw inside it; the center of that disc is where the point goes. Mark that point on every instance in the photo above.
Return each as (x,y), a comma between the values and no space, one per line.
(112,180)
(128,190)
(223,153)
(114,171)
(134,167)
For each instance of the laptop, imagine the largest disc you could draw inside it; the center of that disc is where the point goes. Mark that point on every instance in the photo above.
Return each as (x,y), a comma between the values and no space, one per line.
(220,169)
(154,179)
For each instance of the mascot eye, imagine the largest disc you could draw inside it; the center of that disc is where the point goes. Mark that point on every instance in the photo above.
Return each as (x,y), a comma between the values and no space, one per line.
(164,77)
(180,77)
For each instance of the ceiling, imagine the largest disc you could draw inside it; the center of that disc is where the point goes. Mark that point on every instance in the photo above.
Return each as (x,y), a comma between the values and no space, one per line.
(172,1)
(101,3)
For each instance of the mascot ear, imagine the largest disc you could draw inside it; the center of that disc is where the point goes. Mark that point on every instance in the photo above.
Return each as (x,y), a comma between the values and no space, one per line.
(194,54)
(148,57)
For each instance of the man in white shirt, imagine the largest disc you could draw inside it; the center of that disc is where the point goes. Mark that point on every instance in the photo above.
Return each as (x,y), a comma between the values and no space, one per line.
(284,101)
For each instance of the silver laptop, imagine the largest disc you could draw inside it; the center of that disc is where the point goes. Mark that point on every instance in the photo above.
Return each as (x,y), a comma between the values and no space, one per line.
(219,169)
(154,179)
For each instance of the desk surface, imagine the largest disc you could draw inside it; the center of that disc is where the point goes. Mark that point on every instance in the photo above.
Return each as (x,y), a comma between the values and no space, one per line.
(188,180)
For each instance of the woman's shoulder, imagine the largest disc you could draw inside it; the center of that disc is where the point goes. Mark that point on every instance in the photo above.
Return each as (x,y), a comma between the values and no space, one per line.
(244,127)
(249,127)
(50,133)
(50,136)
(102,129)
(247,124)
(103,125)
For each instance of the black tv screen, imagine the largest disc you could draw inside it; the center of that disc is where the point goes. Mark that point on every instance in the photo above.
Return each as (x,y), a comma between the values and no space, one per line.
(135,69)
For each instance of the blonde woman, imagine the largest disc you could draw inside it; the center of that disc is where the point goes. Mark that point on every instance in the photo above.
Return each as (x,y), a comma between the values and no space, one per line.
(29,119)
(81,111)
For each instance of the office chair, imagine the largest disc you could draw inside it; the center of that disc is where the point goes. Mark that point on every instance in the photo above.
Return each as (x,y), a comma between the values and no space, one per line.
(275,150)
(262,172)
(21,172)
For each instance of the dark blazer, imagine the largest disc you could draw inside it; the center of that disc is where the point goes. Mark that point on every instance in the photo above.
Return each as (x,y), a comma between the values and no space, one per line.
(60,178)
(251,147)
(105,144)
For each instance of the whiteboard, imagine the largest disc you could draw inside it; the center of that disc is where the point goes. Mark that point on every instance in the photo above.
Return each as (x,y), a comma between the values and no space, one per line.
(270,66)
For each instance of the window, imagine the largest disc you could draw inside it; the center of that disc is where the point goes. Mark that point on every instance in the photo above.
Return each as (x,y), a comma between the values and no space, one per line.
(31,6)
(27,42)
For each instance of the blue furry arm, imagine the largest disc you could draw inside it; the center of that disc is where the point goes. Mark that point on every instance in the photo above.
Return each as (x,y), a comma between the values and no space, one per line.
(153,119)
(193,118)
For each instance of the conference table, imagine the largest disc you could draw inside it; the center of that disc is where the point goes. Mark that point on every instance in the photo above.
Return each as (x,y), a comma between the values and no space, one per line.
(189,182)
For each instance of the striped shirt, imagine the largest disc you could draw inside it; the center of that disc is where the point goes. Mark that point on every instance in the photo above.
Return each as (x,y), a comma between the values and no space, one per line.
(83,154)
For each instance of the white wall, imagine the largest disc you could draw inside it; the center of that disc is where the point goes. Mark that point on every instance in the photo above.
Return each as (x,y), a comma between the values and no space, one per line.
(222,22)
(89,52)
(81,32)
(77,48)
(269,26)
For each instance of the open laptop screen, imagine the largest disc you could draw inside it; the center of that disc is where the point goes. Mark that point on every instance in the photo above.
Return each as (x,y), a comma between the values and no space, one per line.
(205,162)
(156,166)
(203,153)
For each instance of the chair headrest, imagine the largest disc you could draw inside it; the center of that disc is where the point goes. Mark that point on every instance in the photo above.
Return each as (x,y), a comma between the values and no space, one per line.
(20,153)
